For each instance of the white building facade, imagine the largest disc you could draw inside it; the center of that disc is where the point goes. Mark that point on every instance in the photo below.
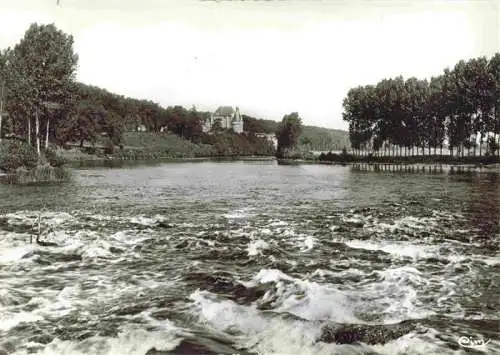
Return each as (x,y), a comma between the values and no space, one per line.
(228,117)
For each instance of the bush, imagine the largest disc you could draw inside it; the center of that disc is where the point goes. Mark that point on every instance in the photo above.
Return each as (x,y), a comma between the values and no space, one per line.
(227,143)
(492,145)
(109,148)
(16,154)
(89,150)
(53,159)
(343,157)
(39,175)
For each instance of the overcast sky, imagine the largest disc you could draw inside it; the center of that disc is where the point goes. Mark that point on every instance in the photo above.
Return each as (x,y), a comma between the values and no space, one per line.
(267,57)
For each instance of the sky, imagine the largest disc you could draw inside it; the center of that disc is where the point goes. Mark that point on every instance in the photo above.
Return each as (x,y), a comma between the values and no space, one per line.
(269,58)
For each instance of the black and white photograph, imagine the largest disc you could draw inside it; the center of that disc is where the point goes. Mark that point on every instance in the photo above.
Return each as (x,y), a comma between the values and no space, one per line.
(249,177)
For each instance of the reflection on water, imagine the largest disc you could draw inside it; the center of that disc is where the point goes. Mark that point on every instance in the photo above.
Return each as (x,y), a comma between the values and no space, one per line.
(483,204)
(251,257)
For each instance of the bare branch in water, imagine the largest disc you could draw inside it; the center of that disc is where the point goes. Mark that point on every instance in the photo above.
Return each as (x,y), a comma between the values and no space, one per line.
(38,232)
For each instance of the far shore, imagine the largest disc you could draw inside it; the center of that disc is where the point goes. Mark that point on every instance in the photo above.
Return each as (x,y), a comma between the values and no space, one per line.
(459,165)
(495,166)
(107,161)
(402,161)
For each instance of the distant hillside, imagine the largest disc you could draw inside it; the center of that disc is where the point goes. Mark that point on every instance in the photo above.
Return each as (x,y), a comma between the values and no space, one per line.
(320,138)
(312,138)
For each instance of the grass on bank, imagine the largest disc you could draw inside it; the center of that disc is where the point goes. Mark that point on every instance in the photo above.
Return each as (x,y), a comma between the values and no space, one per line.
(219,144)
(135,146)
(162,144)
(154,145)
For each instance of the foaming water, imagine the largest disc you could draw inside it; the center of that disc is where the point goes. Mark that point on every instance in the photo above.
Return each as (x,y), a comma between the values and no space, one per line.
(130,341)
(401,249)
(255,247)
(257,265)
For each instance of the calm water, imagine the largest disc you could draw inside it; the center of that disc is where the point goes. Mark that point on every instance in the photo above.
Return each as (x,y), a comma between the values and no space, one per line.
(249,257)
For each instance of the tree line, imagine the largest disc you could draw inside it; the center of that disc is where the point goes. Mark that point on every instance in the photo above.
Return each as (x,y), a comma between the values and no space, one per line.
(39,97)
(37,80)
(459,109)
(42,103)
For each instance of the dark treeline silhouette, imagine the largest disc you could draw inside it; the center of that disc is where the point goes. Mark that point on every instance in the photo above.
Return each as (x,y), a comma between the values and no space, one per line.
(458,110)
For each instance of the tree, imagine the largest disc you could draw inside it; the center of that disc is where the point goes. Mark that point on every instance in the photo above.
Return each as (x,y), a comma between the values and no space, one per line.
(251,124)
(415,115)
(45,65)
(494,71)
(256,125)
(460,104)
(436,113)
(193,128)
(492,145)
(359,111)
(4,55)
(460,84)
(305,140)
(217,126)
(288,132)
(479,85)
(84,125)
(112,126)
(177,120)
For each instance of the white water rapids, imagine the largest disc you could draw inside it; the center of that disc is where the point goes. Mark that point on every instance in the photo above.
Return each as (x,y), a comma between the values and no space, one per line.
(147,259)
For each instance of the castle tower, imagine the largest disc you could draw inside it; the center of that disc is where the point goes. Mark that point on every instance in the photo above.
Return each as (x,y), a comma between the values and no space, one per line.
(237,116)
(237,121)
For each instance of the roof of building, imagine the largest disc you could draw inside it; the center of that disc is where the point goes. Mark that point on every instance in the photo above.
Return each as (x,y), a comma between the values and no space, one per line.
(224,111)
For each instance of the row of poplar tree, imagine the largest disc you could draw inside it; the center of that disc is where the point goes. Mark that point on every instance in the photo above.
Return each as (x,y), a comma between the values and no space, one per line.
(459,110)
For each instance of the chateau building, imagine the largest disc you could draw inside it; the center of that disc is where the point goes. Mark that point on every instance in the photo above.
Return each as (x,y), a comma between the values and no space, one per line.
(228,117)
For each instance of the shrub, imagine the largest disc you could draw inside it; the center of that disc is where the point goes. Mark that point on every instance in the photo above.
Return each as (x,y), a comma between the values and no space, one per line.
(39,175)
(89,150)
(109,148)
(53,159)
(343,157)
(15,154)
(492,145)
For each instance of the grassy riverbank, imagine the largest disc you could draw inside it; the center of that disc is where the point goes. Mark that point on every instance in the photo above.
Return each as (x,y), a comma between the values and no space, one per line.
(165,146)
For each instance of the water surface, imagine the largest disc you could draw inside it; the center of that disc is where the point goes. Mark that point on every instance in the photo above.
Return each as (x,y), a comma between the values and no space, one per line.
(250,257)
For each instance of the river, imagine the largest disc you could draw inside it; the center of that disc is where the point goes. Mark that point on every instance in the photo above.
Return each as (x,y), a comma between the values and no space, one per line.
(250,258)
